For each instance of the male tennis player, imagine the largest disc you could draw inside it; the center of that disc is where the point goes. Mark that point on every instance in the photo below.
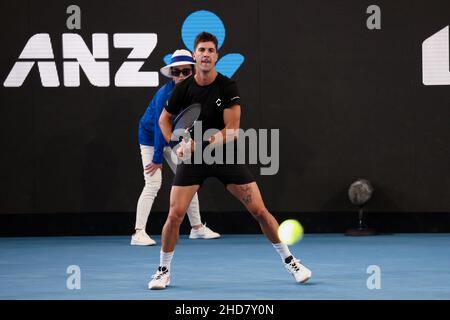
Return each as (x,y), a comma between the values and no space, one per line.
(221,110)
(153,149)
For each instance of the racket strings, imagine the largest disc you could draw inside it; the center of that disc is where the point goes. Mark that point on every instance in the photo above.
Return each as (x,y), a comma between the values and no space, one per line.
(186,120)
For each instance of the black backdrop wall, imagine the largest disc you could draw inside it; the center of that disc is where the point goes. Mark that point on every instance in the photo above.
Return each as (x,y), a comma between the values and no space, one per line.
(349,103)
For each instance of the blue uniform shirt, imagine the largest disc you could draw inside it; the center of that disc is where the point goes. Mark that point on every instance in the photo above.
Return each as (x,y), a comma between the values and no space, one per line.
(149,131)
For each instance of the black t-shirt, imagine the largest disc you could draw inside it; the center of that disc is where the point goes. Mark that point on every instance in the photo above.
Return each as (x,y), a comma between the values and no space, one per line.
(222,93)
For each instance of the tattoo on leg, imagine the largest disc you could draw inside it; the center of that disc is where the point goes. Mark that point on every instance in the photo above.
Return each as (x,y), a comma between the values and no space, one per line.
(246,194)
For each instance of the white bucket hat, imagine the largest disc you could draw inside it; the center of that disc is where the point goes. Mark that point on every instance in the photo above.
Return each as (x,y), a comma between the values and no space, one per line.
(179,57)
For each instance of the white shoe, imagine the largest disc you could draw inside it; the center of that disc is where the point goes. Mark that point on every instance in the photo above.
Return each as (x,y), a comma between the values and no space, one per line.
(160,279)
(203,233)
(141,238)
(299,271)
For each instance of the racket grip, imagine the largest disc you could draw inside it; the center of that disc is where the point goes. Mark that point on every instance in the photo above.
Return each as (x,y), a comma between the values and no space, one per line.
(172,144)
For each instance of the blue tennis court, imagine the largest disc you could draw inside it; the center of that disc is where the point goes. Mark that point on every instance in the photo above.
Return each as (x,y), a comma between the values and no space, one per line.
(243,267)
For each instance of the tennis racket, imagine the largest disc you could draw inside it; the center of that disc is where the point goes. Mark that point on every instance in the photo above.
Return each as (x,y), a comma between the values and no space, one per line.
(186,119)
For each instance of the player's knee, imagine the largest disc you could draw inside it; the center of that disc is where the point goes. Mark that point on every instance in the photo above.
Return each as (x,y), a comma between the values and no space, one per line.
(177,212)
(175,218)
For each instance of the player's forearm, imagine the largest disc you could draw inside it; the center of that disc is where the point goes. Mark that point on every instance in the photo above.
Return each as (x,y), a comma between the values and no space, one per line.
(228,134)
(232,121)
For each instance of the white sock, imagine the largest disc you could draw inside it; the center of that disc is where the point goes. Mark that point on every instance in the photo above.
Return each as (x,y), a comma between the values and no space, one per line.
(165,258)
(282,250)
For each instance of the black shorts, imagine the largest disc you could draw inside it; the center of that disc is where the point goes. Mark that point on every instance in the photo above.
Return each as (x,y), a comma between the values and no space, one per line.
(195,174)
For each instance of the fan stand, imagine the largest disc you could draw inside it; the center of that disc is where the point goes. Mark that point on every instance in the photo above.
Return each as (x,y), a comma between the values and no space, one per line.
(362,229)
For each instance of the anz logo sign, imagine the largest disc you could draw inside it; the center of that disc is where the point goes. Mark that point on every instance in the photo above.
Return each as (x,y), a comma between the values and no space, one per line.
(95,65)
(77,56)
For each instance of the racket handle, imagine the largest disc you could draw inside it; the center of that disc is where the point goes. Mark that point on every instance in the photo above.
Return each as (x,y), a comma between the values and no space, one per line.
(172,144)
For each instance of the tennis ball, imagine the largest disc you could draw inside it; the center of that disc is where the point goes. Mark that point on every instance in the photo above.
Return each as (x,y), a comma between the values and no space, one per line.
(290,231)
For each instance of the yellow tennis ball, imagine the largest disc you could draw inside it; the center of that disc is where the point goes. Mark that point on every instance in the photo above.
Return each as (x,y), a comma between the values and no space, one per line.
(290,231)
